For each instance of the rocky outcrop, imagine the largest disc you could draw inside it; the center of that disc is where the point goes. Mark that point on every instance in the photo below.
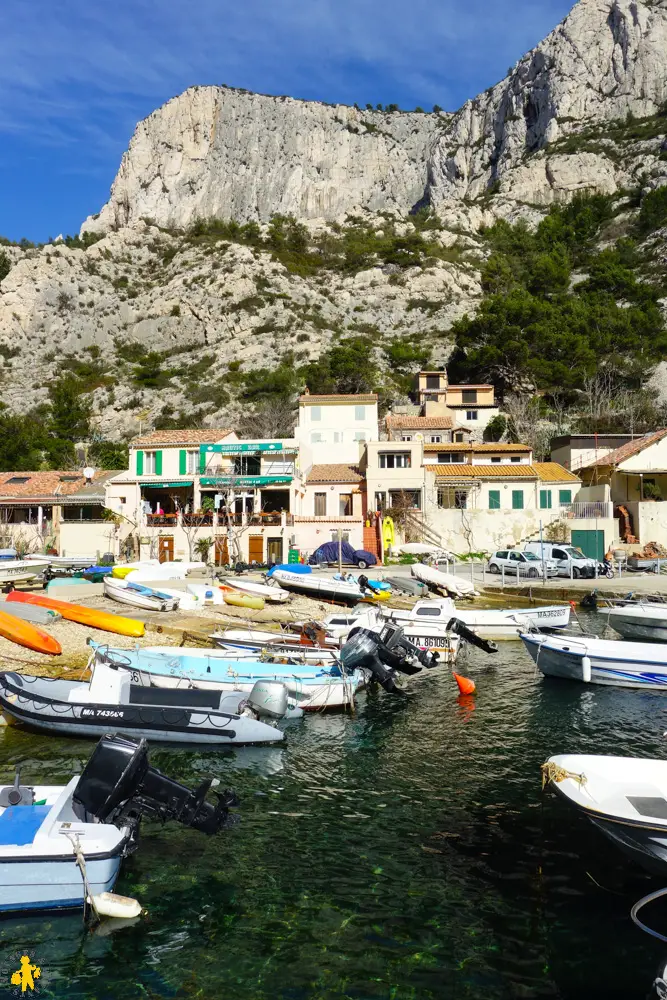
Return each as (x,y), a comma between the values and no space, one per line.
(215,152)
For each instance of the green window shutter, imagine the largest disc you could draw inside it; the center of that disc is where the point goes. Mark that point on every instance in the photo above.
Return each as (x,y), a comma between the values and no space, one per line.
(182,462)
(158,463)
(564,496)
(517,499)
(140,463)
(494,499)
(545,499)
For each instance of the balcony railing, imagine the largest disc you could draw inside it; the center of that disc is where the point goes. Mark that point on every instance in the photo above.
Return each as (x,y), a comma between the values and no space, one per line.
(588,509)
(216,519)
(204,520)
(162,520)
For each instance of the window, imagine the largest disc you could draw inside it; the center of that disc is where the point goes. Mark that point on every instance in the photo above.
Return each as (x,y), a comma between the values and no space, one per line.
(193,463)
(501,555)
(564,497)
(69,479)
(435,439)
(447,458)
(316,438)
(338,437)
(345,504)
(18,479)
(320,505)
(471,414)
(149,463)
(452,499)
(122,500)
(380,501)
(558,554)
(344,536)
(360,435)
(495,459)
(515,557)
(360,413)
(394,459)
(432,381)
(429,612)
(469,396)
(517,499)
(406,498)
(430,398)
(545,499)
(407,437)
(516,459)
(459,437)
(316,413)
(494,499)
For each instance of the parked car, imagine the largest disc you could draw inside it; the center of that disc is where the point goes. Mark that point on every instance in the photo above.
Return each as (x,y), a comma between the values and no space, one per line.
(527,562)
(328,553)
(570,561)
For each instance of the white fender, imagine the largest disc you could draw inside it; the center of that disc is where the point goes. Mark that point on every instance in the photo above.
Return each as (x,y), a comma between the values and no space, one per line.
(110,904)
(586,669)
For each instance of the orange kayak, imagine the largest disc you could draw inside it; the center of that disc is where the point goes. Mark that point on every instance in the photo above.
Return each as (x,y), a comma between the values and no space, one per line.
(27,635)
(103,620)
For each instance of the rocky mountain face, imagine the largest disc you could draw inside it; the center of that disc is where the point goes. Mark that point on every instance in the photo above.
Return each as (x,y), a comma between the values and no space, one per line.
(584,111)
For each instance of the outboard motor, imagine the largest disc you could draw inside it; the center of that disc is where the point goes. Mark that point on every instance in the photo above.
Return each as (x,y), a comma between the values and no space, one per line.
(386,654)
(267,700)
(118,786)
(456,626)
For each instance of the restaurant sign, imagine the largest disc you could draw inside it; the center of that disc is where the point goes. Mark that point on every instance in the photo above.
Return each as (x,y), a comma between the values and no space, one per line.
(244,480)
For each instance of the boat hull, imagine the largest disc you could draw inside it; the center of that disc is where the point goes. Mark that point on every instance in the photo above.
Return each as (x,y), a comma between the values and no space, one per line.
(639,622)
(53,883)
(571,665)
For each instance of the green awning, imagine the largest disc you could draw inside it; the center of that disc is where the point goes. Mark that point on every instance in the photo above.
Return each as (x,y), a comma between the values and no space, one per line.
(243,447)
(168,486)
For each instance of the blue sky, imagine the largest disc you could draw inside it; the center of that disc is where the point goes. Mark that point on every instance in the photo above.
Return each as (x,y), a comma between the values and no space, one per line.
(76,75)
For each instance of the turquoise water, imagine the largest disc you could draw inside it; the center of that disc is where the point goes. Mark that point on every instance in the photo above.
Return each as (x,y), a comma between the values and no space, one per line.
(407,852)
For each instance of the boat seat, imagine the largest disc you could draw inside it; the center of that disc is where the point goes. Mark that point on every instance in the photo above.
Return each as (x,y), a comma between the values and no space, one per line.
(651,805)
(19,824)
(174,697)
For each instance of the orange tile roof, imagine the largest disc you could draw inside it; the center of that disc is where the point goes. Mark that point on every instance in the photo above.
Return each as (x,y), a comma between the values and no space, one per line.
(467,446)
(461,471)
(336,473)
(45,485)
(552,472)
(404,422)
(629,449)
(360,397)
(207,435)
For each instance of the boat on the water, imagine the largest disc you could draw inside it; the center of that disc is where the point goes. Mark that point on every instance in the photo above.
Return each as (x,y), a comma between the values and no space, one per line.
(112,699)
(599,661)
(624,797)
(309,687)
(138,596)
(275,595)
(49,832)
(104,620)
(639,620)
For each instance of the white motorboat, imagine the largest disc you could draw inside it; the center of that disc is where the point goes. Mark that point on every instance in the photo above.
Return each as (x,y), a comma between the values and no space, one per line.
(138,596)
(275,595)
(51,834)
(274,653)
(326,587)
(489,624)
(640,620)
(437,580)
(63,562)
(599,661)
(624,797)
(13,570)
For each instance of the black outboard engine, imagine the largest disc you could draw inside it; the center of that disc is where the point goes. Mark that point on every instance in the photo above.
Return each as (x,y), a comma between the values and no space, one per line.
(457,626)
(386,654)
(118,786)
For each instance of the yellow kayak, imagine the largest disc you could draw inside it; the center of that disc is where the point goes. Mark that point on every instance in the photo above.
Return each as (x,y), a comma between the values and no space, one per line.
(378,597)
(243,600)
(120,572)
(84,616)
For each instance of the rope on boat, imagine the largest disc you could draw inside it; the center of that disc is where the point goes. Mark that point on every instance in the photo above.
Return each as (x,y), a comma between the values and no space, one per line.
(652,896)
(88,898)
(553,772)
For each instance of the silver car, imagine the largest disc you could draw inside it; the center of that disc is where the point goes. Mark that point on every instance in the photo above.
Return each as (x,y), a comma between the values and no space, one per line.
(527,563)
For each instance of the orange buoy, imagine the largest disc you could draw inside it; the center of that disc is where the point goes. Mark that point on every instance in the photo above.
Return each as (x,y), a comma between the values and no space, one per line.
(466,686)
(27,635)
(104,620)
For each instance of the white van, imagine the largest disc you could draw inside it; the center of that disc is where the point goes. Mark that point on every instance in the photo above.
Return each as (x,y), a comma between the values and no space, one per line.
(569,560)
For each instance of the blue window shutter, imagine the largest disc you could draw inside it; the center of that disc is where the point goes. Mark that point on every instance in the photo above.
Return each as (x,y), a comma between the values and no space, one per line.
(517,499)
(494,499)
(565,496)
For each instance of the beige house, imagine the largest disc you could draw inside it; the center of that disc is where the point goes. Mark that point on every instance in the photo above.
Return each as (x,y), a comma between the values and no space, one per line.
(335,428)
(332,500)
(471,407)
(578,451)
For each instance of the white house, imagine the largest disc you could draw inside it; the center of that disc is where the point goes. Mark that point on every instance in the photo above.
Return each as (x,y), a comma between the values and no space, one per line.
(335,428)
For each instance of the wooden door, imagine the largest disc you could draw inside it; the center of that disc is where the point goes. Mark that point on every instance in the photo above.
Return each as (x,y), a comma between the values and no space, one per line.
(166,548)
(221,551)
(256,549)
(274,550)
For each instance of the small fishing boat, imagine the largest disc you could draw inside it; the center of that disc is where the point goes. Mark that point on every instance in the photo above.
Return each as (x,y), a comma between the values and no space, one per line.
(25,634)
(624,797)
(490,624)
(63,562)
(639,620)
(13,570)
(138,596)
(436,580)
(112,698)
(599,661)
(104,620)
(310,687)
(275,595)
(348,591)
(61,844)
(281,643)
